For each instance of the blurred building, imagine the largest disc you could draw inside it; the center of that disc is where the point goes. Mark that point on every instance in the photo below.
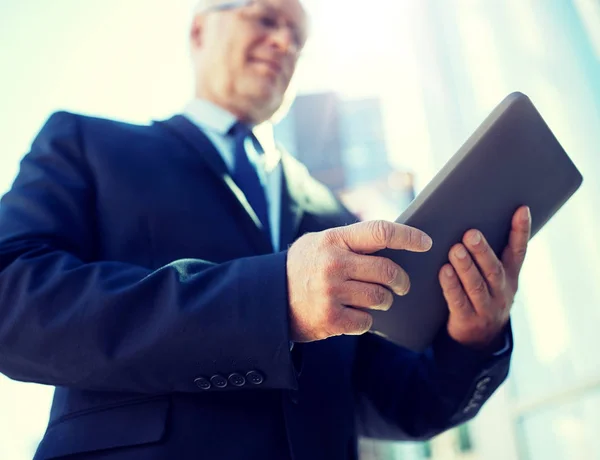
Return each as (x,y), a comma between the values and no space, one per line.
(342,143)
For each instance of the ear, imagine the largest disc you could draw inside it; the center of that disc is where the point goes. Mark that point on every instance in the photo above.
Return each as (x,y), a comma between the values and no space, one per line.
(196,31)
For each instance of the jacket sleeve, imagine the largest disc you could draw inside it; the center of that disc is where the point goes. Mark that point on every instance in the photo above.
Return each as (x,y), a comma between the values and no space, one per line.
(67,319)
(402,395)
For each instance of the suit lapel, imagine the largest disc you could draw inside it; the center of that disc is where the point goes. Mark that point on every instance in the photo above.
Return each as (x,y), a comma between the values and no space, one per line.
(197,141)
(293,199)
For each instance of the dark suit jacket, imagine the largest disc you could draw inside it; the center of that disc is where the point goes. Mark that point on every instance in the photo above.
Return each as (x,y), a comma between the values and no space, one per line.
(134,280)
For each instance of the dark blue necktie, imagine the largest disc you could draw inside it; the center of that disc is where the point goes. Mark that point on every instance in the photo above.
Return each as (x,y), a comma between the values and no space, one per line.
(246,177)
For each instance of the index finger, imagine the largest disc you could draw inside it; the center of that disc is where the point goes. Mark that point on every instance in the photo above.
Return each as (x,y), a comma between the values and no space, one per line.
(375,235)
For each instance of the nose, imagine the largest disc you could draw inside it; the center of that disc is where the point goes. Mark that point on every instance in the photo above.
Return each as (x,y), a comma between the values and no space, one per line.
(284,40)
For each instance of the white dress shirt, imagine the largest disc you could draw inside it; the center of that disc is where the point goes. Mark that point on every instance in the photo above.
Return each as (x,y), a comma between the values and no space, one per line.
(262,152)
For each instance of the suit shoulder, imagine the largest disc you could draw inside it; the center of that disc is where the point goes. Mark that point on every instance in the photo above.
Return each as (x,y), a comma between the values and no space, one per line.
(80,135)
(63,119)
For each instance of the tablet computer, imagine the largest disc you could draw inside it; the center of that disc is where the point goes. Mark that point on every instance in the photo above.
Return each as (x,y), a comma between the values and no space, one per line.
(512,159)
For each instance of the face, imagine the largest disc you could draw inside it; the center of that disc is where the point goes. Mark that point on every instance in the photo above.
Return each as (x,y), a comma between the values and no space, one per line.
(245,56)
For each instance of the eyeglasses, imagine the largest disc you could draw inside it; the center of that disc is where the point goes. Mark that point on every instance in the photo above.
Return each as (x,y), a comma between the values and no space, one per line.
(264,17)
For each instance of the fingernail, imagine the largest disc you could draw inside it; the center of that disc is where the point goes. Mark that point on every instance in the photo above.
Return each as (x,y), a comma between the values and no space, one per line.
(474,238)
(461,252)
(427,241)
(402,285)
(527,217)
(384,307)
(448,272)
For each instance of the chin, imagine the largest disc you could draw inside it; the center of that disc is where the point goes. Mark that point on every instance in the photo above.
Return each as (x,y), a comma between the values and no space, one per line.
(263,94)
(263,86)
(264,110)
(266,102)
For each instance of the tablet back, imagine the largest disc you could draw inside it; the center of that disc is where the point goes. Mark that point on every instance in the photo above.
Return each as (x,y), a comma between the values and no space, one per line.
(512,159)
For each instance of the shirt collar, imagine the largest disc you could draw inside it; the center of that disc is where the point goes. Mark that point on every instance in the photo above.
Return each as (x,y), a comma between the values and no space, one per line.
(211,117)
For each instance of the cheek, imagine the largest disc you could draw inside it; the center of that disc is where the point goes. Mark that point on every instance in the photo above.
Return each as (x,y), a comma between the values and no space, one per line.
(227,71)
(238,66)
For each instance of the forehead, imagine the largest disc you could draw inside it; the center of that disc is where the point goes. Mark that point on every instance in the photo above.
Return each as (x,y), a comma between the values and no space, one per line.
(291,7)
(293,10)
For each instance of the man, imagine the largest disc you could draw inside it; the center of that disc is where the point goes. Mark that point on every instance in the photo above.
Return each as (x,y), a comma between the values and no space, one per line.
(192,293)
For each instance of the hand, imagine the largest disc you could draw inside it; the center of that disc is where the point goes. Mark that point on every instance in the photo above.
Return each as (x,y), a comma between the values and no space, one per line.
(479,288)
(332,282)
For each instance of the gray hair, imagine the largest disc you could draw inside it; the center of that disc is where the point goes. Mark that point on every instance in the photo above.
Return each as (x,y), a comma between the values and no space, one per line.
(204,6)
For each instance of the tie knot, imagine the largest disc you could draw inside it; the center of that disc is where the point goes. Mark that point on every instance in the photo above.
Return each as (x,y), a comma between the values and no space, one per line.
(240,130)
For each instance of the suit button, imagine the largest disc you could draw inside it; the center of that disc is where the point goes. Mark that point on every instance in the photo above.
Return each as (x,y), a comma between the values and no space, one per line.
(202,383)
(237,380)
(219,381)
(471,406)
(255,378)
(482,384)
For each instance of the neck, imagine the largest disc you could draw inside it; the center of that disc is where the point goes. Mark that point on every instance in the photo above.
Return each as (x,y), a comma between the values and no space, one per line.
(238,111)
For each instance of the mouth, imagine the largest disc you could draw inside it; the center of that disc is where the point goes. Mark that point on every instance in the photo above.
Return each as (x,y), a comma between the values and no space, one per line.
(272,66)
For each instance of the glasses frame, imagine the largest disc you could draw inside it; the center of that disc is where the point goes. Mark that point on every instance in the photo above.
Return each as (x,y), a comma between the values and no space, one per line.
(300,40)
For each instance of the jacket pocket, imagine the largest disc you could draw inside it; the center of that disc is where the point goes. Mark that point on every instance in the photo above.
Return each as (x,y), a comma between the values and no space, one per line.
(127,425)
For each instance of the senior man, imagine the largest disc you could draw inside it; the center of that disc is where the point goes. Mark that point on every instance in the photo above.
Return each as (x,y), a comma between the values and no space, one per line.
(193,293)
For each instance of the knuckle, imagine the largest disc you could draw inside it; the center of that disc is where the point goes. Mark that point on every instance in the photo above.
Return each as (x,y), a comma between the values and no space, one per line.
(340,322)
(413,237)
(478,288)
(328,235)
(329,290)
(482,249)
(381,232)
(453,287)
(331,318)
(332,266)
(391,272)
(496,272)
(348,324)
(327,270)
(504,304)
(376,296)
(520,253)
(461,303)
(327,239)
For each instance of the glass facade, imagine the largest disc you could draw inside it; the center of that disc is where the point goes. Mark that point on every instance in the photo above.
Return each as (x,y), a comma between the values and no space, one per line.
(563,430)
(448,65)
